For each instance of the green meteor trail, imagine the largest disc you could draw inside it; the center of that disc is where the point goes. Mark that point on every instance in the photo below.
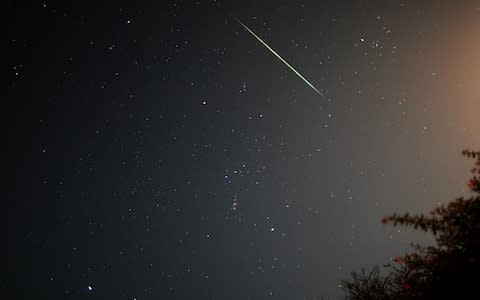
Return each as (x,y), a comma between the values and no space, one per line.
(279,57)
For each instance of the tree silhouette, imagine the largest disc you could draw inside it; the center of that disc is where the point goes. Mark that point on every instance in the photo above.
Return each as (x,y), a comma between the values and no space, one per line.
(448,270)
(370,285)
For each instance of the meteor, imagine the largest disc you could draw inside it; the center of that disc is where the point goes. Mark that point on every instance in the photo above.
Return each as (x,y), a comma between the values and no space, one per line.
(279,57)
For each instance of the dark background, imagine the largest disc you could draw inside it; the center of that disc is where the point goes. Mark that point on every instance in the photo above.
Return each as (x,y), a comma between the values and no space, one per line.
(159,151)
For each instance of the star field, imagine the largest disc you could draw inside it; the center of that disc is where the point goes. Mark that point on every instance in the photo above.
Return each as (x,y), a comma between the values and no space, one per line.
(159,151)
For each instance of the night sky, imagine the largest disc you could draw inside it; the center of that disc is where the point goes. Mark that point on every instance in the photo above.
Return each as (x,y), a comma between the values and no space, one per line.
(160,151)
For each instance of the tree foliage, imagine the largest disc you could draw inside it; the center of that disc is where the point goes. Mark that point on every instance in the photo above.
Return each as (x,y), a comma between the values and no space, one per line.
(447,270)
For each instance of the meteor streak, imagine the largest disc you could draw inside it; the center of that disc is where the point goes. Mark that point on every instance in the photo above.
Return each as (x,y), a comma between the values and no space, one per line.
(279,57)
